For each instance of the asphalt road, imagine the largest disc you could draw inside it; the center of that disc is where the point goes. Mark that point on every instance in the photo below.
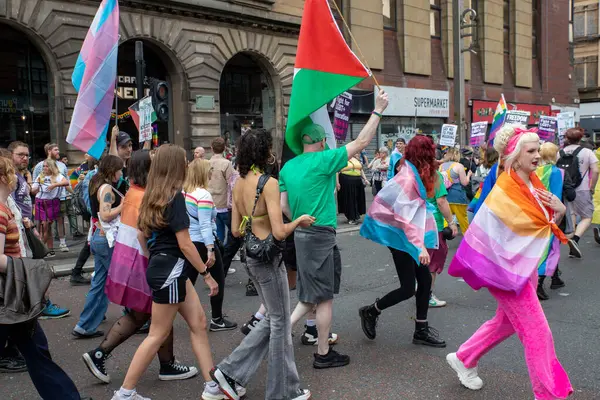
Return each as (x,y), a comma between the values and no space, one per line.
(390,367)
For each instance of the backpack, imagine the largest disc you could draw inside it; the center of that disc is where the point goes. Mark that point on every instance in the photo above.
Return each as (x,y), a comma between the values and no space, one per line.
(81,197)
(570,164)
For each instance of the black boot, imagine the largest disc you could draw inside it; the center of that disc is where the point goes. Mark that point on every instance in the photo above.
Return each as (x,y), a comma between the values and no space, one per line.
(427,336)
(368,320)
(557,283)
(541,292)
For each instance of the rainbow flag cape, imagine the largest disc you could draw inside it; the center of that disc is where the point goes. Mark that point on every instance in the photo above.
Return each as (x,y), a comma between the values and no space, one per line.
(126,283)
(94,79)
(508,238)
(498,121)
(325,68)
(400,216)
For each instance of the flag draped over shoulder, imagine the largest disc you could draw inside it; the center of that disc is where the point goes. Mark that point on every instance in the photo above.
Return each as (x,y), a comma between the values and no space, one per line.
(126,283)
(94,79)
(400,216)
(499,117)
(325,68)
(508,239)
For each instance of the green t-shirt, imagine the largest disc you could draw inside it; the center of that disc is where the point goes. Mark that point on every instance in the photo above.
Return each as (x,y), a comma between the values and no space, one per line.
(309,180)
(440,191)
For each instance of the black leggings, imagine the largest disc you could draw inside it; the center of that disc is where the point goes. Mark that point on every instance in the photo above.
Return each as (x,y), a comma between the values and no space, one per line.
(218,274)
(408,270)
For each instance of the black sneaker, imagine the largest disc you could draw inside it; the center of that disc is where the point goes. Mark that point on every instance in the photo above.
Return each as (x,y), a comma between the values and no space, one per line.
(12,364)
(222,324)
(248,326)
(541,292)
(95,361)
(79,280)
(333,359)
(310,337)
(250,289)
(427,336)
(557,283)
(575,251)
(368,320)
(174,371)
(227,385)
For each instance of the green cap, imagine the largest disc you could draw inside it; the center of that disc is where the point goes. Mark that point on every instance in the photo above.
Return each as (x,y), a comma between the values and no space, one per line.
(315,132)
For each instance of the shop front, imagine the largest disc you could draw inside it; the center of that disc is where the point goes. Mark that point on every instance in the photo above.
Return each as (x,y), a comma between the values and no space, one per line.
(482,110)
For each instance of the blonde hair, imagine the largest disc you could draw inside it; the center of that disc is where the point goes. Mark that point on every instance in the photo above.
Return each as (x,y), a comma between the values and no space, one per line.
(52,167)
(197,175)
(503,137)
(548,152)
(452,154)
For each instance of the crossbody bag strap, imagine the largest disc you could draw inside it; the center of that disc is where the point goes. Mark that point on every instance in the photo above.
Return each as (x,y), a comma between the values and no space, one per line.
(262,181)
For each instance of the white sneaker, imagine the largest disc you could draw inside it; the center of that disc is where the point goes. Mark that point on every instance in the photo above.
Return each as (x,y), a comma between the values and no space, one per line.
(236,257)
(63,247)
(302,394)
(134,396)
(211,394)
(467,376)
(231,271)
(434,302)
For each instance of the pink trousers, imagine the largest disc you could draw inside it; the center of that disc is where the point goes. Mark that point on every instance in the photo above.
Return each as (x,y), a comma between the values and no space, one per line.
(524,315)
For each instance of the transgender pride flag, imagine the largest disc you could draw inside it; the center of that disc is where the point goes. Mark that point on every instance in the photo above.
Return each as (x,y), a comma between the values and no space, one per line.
(499,117)
(94,78)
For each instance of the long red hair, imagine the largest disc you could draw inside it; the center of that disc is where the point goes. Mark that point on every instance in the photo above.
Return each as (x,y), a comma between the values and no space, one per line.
(420,152)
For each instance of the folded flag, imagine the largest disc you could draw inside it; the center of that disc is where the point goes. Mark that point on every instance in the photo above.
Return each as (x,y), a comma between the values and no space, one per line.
(325,68)
(94,78)
(508,239)
(400,216)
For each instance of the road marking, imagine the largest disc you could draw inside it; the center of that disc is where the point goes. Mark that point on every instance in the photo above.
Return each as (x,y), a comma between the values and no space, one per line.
(381,269)
(564,294)
(460,280)
(347,266)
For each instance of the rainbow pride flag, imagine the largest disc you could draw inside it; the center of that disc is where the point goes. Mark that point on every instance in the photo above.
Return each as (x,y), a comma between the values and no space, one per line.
(400,216)
(508,239)
(126,283)
(498,121)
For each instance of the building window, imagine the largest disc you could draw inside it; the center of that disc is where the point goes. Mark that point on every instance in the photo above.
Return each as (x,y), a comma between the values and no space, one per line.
(435,18)
(586,72)
(389,14)
(586,21)
(535,26)
(506,26)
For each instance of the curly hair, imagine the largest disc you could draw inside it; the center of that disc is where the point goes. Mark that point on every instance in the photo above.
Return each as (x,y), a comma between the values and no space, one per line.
(254,149)
(420,152)
(501,143)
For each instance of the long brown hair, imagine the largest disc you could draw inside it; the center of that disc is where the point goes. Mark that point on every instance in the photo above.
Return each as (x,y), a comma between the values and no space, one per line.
(165,180)
(109,166)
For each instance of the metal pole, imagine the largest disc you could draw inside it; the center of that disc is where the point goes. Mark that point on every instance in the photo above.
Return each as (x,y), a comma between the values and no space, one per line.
(459,71)
(140,69)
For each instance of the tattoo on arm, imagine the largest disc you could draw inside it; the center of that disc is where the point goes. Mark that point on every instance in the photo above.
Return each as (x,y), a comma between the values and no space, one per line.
(108,198)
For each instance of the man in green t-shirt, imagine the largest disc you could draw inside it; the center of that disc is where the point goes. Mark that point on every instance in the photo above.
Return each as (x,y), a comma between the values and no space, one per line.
(307,184)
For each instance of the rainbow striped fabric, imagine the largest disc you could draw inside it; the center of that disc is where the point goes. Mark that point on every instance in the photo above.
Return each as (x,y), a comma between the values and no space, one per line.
(400,216)
(499,117)
(94,78)
(126,283)
(508,239)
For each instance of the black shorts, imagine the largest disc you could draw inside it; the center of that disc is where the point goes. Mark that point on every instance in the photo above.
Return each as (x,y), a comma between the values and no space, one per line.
(166,278)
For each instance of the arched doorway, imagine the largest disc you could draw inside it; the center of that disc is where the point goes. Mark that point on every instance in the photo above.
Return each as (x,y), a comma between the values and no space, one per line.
(24,88)
(246,96)
(127,92)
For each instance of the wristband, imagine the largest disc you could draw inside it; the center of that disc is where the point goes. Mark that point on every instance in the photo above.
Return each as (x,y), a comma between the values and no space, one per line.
(206,272)
(376,113)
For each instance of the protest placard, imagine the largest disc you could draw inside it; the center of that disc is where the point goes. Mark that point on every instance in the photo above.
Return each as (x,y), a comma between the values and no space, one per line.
(564,121)
(341,116)
(517,117)
(448,135)
(547,128)
(478,132)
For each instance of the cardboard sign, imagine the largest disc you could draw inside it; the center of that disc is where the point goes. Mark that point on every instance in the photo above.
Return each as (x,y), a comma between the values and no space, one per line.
(517,117)
(478,132)
(547,128)
(146,111)
(564,121)
(448,135)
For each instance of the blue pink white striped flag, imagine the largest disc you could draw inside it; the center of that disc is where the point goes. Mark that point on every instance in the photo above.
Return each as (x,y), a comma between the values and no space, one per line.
(94,78)
(499,117)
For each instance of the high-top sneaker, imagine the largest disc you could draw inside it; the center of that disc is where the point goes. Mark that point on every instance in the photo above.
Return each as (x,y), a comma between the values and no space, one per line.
(541,292)
(310,337)
(95,361)
(368,320)
(248,326)
(557,283)
(427,336)
(175,371)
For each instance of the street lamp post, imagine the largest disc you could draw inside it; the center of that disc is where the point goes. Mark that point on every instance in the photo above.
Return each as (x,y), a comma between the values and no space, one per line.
(460,23)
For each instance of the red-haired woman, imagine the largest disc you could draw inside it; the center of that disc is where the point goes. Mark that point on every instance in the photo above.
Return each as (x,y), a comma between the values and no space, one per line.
(401,219)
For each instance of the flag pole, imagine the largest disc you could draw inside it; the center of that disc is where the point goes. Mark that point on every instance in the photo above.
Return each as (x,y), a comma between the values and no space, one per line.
(364,60)
(117,102)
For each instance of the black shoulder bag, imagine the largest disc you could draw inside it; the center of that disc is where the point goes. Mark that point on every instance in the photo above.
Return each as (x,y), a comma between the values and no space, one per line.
(264,250)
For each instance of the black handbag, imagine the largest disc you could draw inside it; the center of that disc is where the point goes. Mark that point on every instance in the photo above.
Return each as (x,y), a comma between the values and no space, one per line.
(264,250)
(38,248)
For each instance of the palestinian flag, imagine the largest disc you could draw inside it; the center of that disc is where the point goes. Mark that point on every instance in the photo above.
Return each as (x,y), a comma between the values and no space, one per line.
(325,68)
(134,111)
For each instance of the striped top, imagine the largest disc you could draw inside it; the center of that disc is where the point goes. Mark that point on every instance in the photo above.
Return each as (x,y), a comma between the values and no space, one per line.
(202,212)
(8,228)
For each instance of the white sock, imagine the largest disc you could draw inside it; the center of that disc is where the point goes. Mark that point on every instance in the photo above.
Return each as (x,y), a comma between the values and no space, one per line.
(211,383)
(63,241)
(311,322)
(259,315)
(126,392)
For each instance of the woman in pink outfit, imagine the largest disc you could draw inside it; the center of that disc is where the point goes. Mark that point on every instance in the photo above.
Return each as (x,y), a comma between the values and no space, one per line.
(519,310)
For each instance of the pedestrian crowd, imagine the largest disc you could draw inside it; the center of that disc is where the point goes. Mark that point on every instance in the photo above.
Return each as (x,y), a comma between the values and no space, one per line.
(156,223)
